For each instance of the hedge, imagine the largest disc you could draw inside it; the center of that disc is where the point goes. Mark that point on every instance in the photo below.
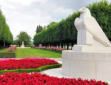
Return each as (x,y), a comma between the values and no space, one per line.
(42,68)
(7,55)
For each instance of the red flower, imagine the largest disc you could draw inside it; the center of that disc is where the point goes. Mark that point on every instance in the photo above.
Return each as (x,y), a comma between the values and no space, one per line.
(39,79)
(25,63)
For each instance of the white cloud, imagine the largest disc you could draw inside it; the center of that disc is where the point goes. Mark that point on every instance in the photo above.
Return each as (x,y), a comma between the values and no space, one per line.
(23,2)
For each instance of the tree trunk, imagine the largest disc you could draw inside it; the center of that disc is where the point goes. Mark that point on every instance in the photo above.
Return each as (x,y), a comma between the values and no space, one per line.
(67,46)
(4,44)
(61,45)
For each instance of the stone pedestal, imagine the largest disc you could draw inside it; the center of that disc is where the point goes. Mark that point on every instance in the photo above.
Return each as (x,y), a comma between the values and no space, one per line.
(88,48)
(87,65)
(22,46)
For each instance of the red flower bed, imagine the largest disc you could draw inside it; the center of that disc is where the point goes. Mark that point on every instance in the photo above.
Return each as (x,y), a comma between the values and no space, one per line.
(50,48)
(12,49)
(40,79)
(25,63)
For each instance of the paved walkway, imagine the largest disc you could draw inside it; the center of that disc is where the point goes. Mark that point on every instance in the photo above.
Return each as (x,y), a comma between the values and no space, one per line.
(59,60)
(57,72)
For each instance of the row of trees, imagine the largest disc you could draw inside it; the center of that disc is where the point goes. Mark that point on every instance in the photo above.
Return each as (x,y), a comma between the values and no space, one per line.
(64,32)
(6,37)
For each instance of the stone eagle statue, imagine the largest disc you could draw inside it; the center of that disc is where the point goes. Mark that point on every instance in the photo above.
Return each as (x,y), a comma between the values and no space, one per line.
(89,31)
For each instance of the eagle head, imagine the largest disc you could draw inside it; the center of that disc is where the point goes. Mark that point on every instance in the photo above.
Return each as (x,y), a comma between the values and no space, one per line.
(84,10)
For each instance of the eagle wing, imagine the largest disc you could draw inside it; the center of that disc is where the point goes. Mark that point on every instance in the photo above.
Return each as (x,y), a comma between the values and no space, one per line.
(94,28)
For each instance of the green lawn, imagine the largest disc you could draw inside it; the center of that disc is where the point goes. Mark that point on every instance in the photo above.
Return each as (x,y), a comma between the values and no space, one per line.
(3,50)
(33,52)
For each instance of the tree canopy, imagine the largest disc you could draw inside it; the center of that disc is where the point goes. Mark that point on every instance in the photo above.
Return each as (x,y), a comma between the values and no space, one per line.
(65,33)
(23,37)
(6,37)
(39,29)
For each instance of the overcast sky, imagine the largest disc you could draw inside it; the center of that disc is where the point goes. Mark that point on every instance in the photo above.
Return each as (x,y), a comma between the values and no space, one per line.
(25,15)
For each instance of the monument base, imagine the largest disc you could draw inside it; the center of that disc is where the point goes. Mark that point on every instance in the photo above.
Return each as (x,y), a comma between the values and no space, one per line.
(89,48)
(87,65)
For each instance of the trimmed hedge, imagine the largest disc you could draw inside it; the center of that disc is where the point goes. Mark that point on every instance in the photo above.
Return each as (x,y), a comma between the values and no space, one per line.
(42,68)
(49,67)
(64,32)
(7,55)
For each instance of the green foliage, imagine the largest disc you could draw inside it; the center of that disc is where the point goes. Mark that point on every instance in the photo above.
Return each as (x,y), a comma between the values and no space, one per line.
(48,67)
(6,37)
(23,37)
(39,29)
(42,68)
(64,32)
(15,42)
(7,55)
(58,33)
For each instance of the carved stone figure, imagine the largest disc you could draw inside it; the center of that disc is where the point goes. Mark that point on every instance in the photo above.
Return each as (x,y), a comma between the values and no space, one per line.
(89,31)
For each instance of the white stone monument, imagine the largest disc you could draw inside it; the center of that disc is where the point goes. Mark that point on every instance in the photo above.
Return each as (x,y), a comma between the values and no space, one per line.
(91,57)
(22,46)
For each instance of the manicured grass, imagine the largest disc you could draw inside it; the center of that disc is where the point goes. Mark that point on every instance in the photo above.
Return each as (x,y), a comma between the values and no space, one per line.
(3,50)
(34,52)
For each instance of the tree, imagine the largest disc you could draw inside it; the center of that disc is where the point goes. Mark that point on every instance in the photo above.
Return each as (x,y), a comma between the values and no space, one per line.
(15,42)
(24,37)
(39,29)
(6,37)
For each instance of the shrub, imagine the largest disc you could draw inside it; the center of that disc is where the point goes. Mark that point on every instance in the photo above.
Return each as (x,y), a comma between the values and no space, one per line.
(11,49)
(48,67)
(7,55)
(51,48)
